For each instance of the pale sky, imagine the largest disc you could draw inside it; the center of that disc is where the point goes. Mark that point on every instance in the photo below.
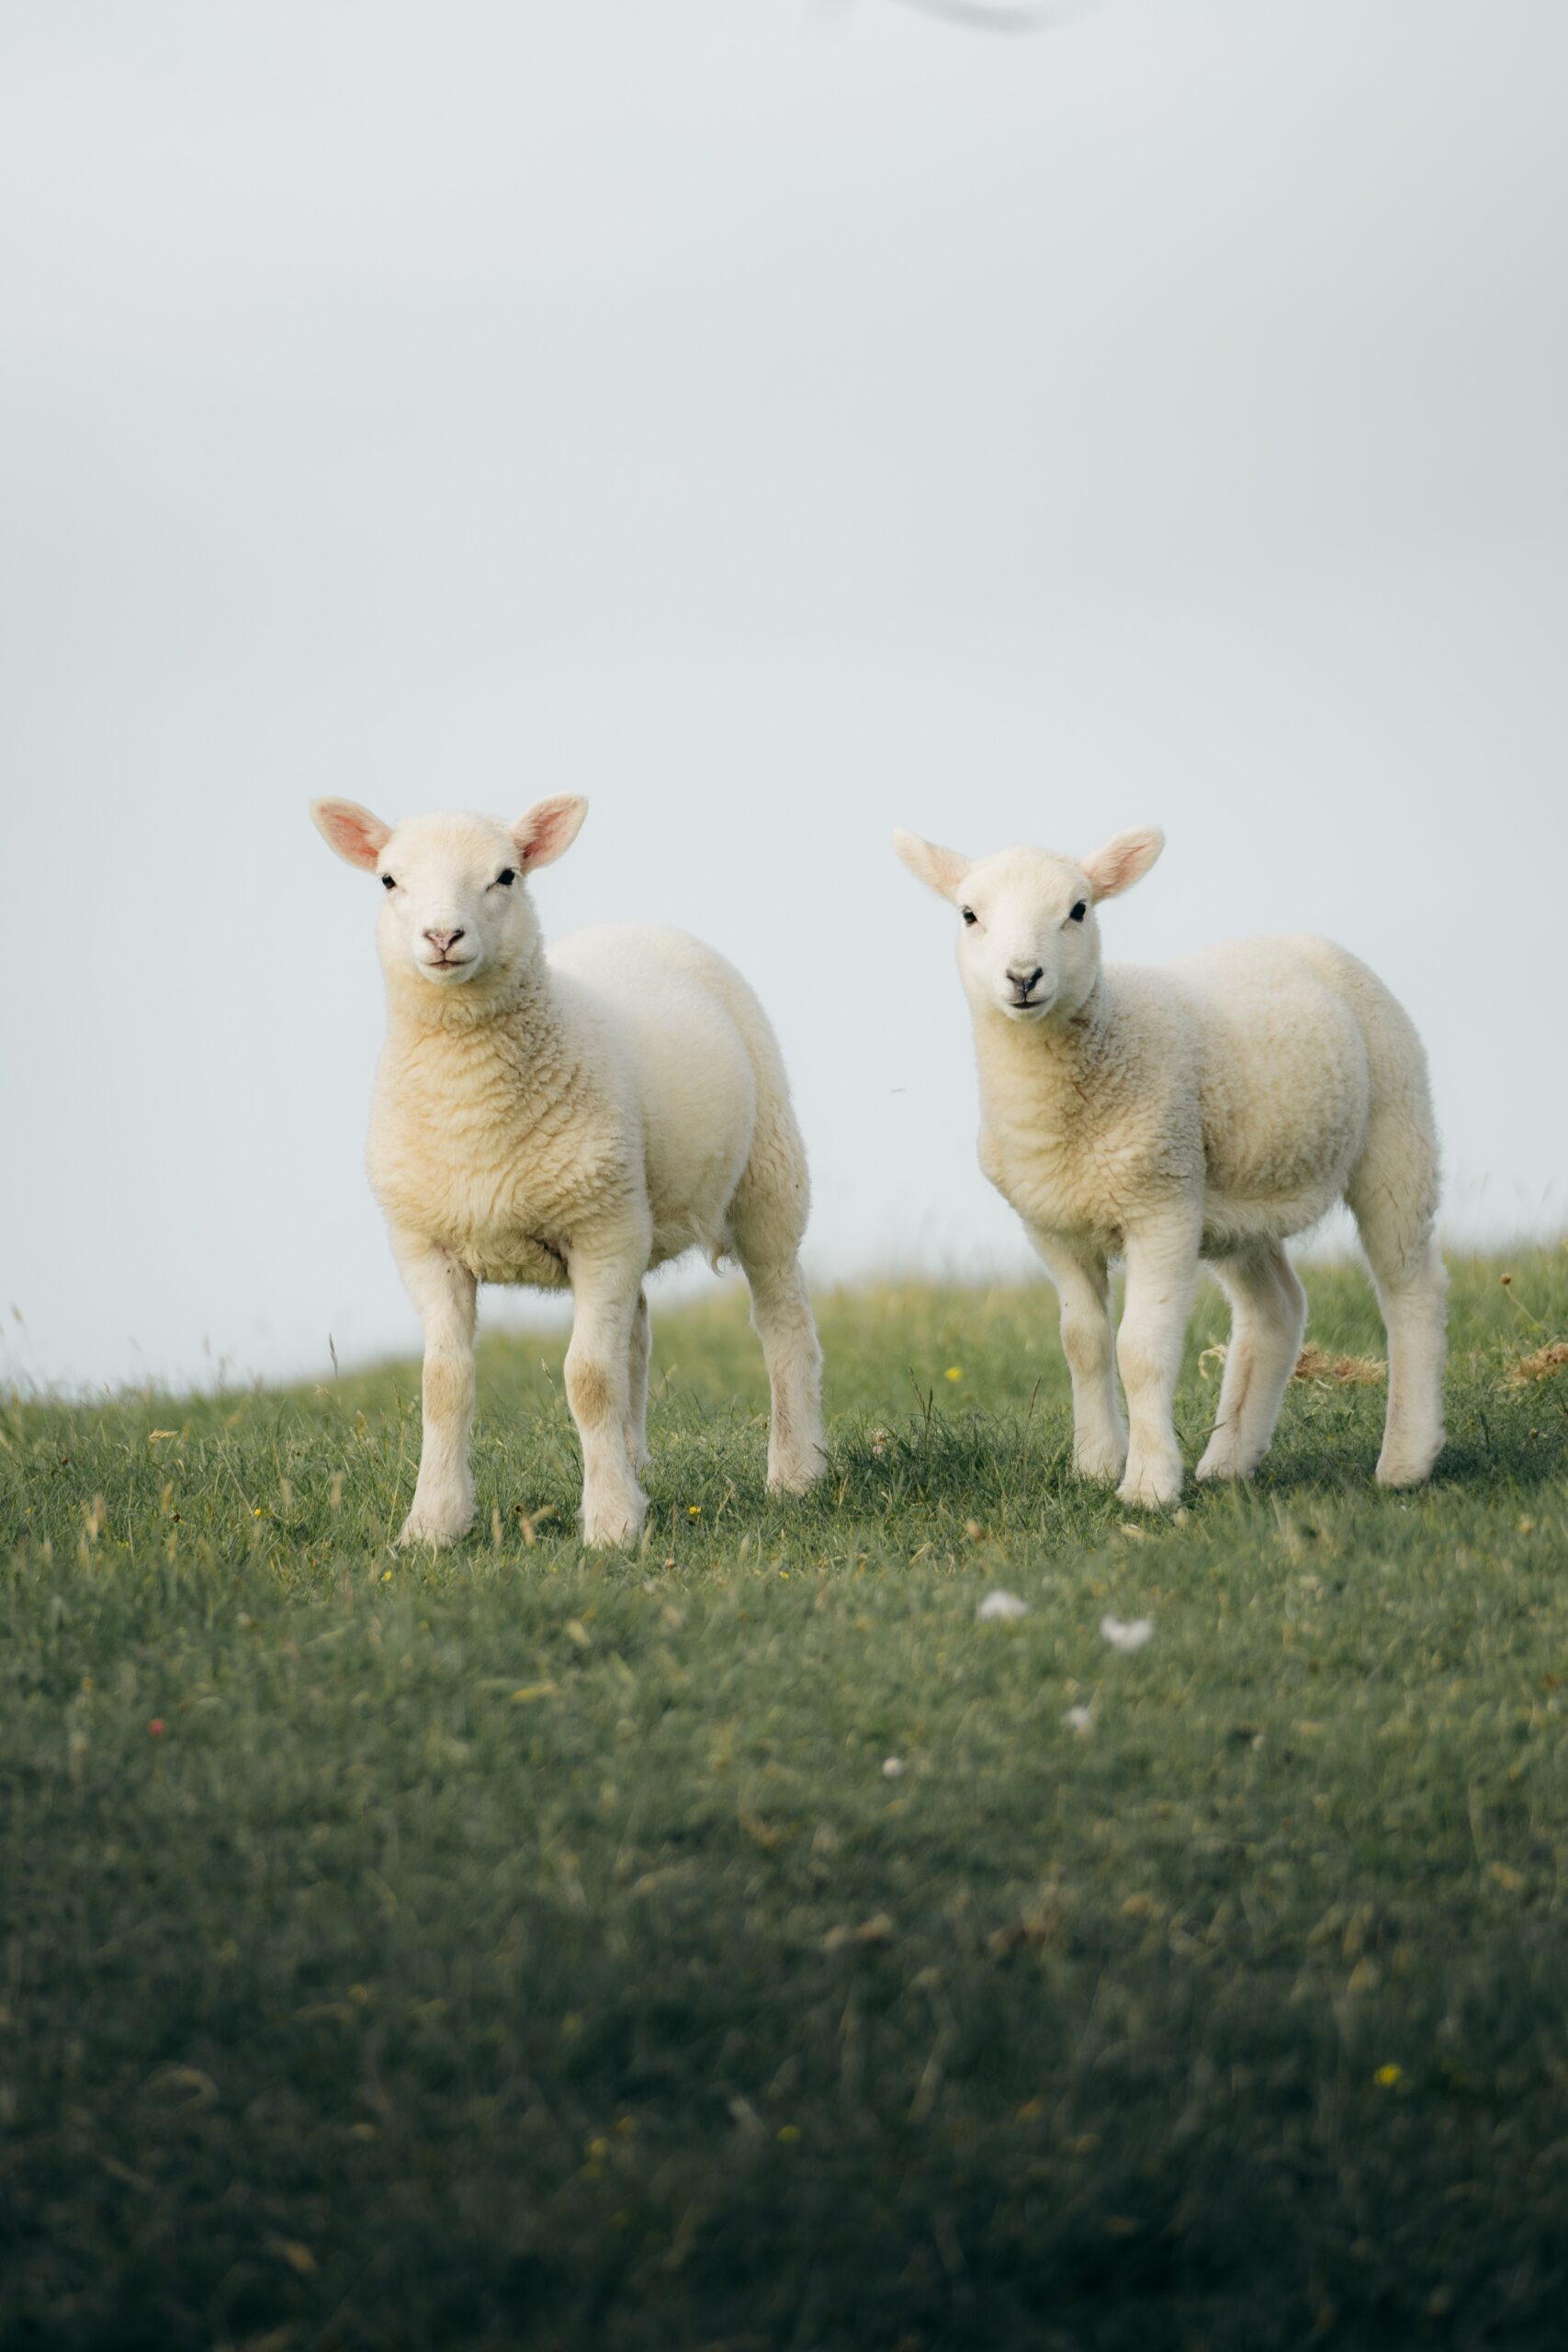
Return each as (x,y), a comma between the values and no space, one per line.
(780,422)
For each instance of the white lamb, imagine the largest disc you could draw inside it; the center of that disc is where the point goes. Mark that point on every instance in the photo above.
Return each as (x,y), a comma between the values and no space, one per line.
(572,1117)
(1203,1110)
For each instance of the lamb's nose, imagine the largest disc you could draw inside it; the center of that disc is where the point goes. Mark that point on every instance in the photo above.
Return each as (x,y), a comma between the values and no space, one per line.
(1024,981)
(444,941)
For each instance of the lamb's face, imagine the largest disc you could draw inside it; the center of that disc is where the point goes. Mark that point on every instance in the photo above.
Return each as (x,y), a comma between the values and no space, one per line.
(454,910)
(455,914)
(1027,941)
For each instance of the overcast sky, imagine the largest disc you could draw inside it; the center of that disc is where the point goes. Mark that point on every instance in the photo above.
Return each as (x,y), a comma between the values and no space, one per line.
(778,422)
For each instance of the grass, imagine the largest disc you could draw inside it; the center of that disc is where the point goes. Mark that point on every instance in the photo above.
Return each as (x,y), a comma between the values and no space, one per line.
(513,1947)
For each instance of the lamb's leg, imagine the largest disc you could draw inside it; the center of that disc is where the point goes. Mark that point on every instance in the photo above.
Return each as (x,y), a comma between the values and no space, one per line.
(636,1385)
(1268,1318)
(1414,1316)
(1083,1287)
(767,1218)
(442,1506)
(598,1388)
(780,1311)
(1162,1267)
(1411,1292)
(1393,1193)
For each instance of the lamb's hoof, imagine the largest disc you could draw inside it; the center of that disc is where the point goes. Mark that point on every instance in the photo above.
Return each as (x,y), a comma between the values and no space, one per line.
(608,1526)
(1407,1469)
(1224,1461)
(799,1475)
(1102,1462)
(1151,1485)
(435,1527)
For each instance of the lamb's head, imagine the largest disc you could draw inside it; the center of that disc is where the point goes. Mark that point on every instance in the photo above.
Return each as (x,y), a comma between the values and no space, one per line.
(1027,941)
(455,914)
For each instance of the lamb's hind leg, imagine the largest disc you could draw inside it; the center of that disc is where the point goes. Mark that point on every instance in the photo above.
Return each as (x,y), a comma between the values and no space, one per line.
(780,1310)
(636,1385)
(767,1218)
(1267,1319)
(1392,1194)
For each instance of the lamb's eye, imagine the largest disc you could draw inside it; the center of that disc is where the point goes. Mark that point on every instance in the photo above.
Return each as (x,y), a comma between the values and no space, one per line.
(1078,912)
(505,878)
(968,914)
(389,882)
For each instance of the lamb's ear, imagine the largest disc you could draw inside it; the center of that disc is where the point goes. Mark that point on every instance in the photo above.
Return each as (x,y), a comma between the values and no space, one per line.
(548,829)
(942,870)
(352,830)
(1125,859)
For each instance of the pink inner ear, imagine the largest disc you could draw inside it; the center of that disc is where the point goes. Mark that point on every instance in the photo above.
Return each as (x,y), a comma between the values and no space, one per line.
(1121,862)
(353,831)
(548,829)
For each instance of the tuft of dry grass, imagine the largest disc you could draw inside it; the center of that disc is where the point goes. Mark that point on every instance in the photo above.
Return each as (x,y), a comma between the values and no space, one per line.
(1355,1372)
(1544,1365)
(1313,1364)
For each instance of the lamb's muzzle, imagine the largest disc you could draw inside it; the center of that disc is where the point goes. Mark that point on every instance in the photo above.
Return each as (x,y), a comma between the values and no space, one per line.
(443,960)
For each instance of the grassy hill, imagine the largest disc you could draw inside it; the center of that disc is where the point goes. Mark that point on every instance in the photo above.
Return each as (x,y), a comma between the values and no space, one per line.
(744,1944)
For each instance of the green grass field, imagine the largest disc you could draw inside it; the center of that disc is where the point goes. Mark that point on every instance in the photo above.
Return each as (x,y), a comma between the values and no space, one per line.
(516,1948)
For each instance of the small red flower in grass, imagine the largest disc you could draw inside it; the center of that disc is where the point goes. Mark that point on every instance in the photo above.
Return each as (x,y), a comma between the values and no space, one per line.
(157,1727)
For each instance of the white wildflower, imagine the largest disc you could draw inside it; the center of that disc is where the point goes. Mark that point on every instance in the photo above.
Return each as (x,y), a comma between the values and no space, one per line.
(892,1769)
(1080,1719)
(1001,1608)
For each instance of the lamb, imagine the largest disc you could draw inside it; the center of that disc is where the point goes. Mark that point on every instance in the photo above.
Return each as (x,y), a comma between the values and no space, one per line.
(570,1117)
(1205,1111)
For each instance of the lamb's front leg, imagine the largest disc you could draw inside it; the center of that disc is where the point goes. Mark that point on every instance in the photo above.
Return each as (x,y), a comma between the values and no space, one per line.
(598,1388)
(1162,1268)
(442,1506)
(1083,1288)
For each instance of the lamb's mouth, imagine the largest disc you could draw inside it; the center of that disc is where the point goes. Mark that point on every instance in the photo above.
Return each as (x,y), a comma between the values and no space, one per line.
(449,964)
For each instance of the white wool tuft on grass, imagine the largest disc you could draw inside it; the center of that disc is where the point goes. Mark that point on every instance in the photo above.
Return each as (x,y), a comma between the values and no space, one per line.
(1130,1635)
